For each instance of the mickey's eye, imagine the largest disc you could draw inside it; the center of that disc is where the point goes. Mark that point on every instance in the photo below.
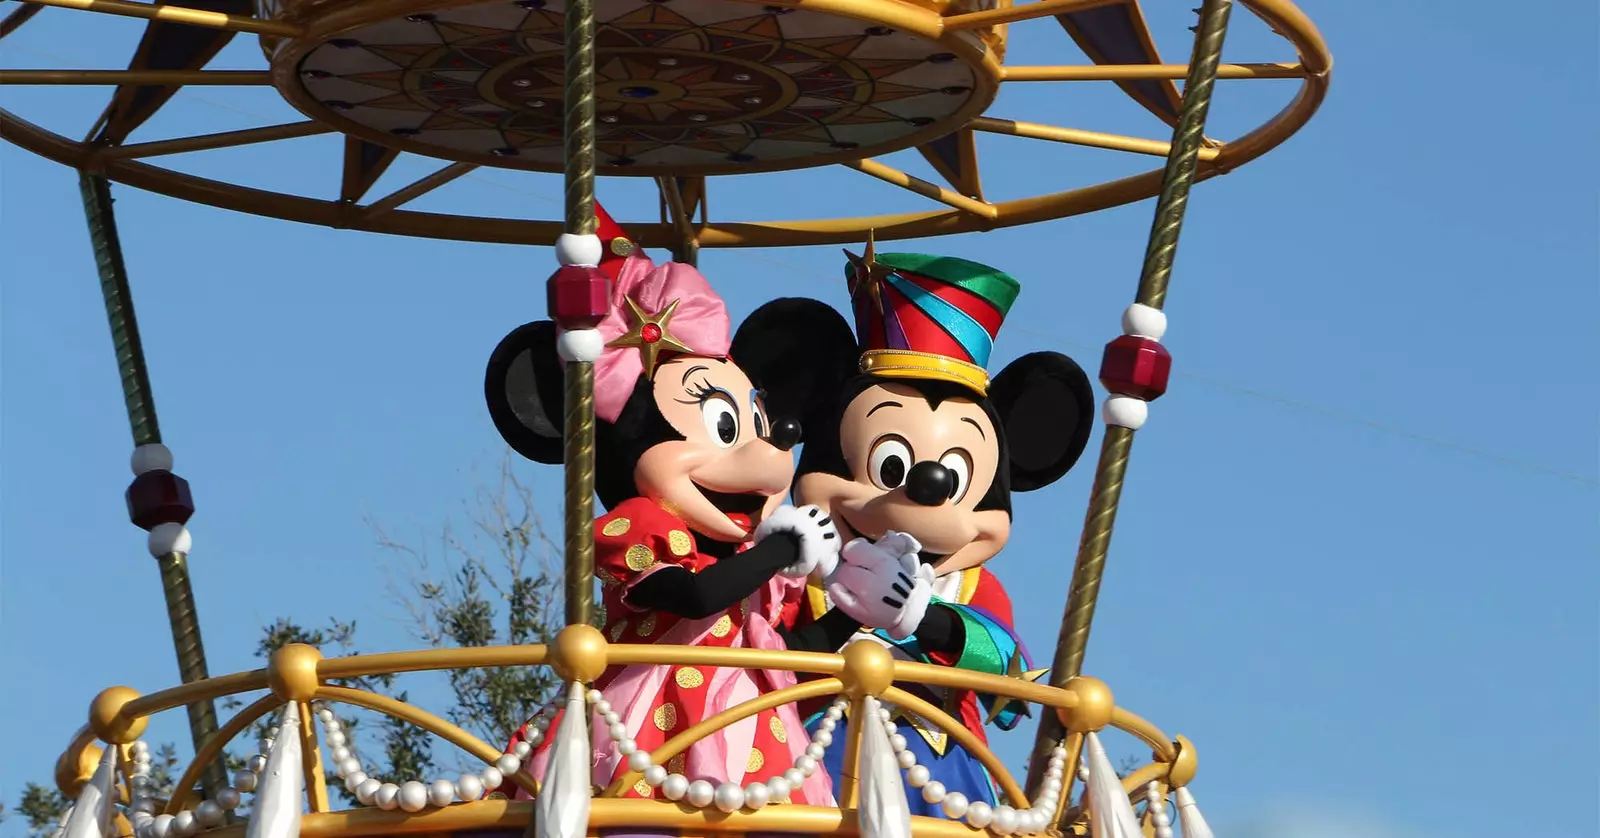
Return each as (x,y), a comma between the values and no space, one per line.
(888,463)
(722,420)
(960,468)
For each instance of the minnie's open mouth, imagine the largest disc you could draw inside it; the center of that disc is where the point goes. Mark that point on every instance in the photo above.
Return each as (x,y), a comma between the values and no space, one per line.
(742,508)
(927,556)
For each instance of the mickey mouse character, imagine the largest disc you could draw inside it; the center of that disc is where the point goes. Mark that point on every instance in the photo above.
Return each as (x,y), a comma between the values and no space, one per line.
(697,547)
(914,452)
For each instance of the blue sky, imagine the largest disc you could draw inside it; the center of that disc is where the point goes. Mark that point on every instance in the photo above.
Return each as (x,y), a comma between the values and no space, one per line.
(1357,546)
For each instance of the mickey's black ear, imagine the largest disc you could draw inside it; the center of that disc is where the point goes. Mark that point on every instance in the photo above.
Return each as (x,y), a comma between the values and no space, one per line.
(800,351)
(1047,405)
(523,387)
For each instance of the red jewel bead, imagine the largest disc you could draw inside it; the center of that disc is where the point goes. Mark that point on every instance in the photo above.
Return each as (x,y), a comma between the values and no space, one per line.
(578,297)
(159,497)
(1136,366)
(650,332)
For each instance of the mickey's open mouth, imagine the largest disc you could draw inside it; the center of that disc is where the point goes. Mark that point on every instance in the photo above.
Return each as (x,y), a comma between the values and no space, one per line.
(927,556)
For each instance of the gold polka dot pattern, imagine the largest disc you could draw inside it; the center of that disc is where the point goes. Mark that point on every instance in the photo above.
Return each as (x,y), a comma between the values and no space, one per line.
(666,717)
(680,543)
(639,557)
(722,626)
(688,678)
(616,527)
(779,732)
(754,763)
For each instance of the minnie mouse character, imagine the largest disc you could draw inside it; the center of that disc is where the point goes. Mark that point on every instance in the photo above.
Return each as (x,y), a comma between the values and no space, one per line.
(914,453)
(697,547)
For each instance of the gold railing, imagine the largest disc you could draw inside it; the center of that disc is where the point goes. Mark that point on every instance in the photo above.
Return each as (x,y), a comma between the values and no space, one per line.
(299,674)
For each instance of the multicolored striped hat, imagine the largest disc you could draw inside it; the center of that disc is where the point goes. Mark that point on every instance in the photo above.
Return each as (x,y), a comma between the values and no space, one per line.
(928,317)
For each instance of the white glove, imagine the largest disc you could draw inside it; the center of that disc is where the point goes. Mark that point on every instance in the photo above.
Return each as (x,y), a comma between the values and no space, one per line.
(883,585)
(819,539)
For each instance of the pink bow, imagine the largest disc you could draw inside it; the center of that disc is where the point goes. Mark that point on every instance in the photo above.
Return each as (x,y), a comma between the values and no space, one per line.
(700,323)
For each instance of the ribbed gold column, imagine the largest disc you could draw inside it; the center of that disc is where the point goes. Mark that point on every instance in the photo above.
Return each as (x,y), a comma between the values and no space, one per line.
(579,420)
(1112,469)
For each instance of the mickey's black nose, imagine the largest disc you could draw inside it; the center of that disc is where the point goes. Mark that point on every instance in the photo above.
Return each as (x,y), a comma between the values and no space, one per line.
(785,434)
(929,483)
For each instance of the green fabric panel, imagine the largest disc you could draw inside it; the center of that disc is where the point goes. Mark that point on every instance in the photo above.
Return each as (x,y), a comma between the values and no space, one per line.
(999,288)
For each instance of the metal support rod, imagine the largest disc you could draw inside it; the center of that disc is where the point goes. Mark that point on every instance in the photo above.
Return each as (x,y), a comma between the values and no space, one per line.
(1187,138)
(579,419)
(136,394)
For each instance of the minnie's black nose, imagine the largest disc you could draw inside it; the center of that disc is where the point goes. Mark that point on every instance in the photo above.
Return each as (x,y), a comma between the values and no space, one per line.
(785,434)
(929,483)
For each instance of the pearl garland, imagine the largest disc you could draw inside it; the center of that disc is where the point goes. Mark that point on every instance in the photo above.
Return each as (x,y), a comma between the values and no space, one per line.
(724,797)
(1156,805)
(1000,819)
(207,814)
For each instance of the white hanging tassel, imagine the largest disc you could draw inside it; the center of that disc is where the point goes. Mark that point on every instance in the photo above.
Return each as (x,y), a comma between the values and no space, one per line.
(884,812)
(561,809)
(91,815)
(1194,826)
(281,789)
(1110,814)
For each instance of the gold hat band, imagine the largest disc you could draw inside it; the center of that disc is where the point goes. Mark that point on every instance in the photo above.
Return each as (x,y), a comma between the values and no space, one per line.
(902,363)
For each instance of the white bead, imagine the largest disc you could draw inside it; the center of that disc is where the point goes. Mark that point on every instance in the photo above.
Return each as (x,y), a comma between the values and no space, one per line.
(815,751)
(325,713)
(367,792)
(1125,412)
(534,739)
(340,754)
(140,748)
(257,764)
(1164,832)
(823,738)
(593,697)
(906,759)
(918,776)
(779,787)
(955,805)
(886,714)
(897,741)
(508,764)
(618,731)
(349,765)
(151,456)
(141,782)
(469,787)
(700,794)
(161,827)
(244,781)
(834,714)
(729,797)
(580,345)
(795,777)
(756,796)
(1144,321)
(979,815)
(1005,820)
(610,718)
(184,824)
(387,797)
(335,738)
(579,249)
(169,538)
(264,746)
(145,805)
(639,761)
(523,749)
(655,775)
(933,791)
(1051,787)
(208,813)
(1059,753)
(354,781)
(675,786)
(807,764)
(441,793)
(492,778)
(827,726)
(413,796)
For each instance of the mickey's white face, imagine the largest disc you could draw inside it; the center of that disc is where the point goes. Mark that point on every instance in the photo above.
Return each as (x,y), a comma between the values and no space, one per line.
(919,469)
(724,476)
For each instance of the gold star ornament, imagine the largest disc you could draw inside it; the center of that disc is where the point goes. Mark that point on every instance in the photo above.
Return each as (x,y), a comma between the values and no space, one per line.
(649,333)
(1014,670)
(869,275)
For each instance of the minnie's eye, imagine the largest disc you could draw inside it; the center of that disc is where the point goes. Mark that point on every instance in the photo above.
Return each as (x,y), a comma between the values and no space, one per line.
(758,421)
(888,463)
(722,420)
(956,463)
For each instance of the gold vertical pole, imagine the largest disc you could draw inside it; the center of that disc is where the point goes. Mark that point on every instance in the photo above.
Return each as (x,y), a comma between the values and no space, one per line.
(1178,176)
(579,419)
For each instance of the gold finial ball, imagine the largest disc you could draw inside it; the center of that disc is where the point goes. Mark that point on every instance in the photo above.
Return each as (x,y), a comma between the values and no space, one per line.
(107,721)
(1092,712)
(76,767)
(1184,766)
(579,654)
(292,672)
(868,669)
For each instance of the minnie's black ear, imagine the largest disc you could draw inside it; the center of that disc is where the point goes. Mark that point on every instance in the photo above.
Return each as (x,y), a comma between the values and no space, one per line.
(523,387)
(1047,405)
(800,351)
